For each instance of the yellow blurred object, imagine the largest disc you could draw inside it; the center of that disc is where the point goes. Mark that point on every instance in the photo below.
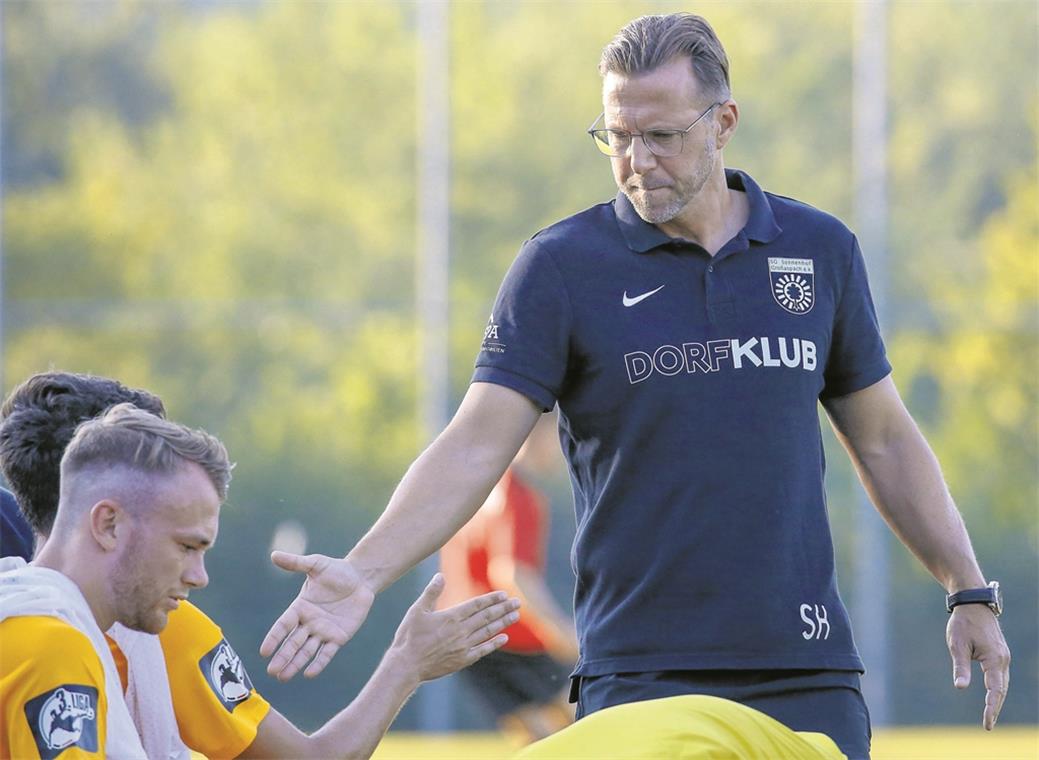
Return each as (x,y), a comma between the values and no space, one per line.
(689,726)
(907,743)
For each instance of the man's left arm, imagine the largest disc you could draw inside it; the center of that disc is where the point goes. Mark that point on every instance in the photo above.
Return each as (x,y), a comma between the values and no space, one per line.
(905,483)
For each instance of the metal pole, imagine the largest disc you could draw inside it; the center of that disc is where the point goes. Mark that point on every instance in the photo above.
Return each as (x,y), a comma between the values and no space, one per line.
(2,190)
(431,278)
(872,602)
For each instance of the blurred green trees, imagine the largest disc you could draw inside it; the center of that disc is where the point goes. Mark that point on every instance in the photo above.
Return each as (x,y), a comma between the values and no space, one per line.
(216,201)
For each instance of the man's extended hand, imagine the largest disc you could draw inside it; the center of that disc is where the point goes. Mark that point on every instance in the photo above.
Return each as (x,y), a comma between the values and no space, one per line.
(431,644)
(973,633)
(328,610)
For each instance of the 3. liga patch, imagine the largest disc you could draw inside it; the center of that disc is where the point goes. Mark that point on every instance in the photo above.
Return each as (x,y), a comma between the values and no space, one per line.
(793,284)
(63,717)
(223,670)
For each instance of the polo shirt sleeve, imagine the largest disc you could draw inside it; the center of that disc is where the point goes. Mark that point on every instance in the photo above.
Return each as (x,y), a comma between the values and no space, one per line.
(53,687)
(526,343)
(857,357)
(218,710)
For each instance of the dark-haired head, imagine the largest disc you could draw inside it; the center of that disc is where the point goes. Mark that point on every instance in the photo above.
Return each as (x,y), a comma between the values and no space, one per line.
(37,421)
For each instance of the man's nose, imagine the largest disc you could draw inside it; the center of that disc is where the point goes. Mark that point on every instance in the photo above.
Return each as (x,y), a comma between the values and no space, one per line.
(642,159)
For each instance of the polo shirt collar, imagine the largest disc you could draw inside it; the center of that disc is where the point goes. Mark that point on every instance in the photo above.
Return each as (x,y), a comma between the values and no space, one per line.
(641,236)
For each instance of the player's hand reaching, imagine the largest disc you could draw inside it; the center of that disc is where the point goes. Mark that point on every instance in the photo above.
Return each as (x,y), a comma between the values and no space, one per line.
(431,643)
(326,613)
(973,633)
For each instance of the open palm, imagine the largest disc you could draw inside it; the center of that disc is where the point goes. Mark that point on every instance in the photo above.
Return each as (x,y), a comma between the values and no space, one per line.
(328,610)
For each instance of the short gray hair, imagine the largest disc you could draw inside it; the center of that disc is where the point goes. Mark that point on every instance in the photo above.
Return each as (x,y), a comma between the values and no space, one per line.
(649,42)
(131,437)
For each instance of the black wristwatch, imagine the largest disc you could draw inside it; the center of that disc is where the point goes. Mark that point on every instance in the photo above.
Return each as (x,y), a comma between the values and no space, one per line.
(990,596)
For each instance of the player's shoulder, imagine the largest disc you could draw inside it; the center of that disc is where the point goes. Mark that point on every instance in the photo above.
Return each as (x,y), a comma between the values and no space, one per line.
(31,637)
(188,629)
(47,664)
(53,686)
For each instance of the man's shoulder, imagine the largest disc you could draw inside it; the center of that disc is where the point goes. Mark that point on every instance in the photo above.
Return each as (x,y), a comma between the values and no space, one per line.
(571,232)
(795,215)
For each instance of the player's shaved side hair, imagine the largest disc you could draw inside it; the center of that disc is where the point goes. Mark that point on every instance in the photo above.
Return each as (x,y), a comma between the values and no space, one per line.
(649,42)
(126,437)
(37,421)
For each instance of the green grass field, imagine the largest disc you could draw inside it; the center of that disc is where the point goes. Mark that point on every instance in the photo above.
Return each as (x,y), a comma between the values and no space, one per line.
(934,743)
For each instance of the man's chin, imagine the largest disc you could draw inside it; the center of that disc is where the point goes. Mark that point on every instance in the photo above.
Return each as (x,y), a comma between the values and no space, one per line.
(652,213)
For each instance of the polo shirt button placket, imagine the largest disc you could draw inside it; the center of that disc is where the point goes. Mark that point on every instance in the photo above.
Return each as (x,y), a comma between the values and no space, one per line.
(719,300)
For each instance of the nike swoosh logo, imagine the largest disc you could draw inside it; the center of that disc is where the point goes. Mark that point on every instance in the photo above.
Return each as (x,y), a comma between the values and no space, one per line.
(632,301)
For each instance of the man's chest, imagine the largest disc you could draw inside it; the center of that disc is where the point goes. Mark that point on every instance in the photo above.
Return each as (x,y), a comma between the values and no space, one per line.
(668,315)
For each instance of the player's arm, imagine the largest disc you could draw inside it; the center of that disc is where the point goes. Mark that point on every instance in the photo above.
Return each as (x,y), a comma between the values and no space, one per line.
(428,644)
(905,483)
(441,490)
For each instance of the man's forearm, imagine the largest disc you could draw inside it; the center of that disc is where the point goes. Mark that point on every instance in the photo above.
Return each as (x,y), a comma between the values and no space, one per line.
(905,483)
(447,484)
(436,497)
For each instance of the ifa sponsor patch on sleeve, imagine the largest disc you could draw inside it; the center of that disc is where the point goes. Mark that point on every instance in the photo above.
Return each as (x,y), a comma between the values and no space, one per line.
(223,670)
(491,341)
(62,718)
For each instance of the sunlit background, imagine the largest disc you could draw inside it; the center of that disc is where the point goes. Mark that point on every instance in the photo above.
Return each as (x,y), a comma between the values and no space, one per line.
(219,202)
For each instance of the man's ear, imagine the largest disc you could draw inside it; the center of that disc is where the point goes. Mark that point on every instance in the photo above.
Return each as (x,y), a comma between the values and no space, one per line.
(728,119)
(107,522)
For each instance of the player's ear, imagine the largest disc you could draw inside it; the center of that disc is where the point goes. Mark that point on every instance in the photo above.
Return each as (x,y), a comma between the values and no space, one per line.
(106,517)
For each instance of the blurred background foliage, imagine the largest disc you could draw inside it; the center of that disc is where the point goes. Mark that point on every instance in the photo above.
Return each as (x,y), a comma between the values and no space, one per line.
(216,201)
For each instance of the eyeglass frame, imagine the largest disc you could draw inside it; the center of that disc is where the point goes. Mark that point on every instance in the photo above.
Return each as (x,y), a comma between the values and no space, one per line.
(632,135)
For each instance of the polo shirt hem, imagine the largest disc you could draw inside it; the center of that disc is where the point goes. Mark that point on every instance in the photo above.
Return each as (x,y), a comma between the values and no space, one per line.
(719,662)
(856,382)
(532,390)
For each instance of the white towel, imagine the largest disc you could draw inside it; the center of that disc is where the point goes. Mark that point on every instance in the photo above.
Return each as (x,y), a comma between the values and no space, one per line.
(148,694)
(29,590)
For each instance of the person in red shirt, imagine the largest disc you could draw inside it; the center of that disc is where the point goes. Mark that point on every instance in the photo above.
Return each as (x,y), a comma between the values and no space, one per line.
(502,548)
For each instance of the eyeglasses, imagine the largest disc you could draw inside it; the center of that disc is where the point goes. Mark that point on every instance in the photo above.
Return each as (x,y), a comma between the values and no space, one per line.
(662,143)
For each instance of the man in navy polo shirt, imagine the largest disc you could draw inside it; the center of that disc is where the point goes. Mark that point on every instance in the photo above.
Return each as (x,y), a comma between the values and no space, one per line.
(688,330)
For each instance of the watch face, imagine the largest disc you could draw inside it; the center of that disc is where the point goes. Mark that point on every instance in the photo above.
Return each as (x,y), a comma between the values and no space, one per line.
(997,597)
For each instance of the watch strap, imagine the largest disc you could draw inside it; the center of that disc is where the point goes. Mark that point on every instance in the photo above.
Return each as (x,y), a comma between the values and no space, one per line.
(989,595)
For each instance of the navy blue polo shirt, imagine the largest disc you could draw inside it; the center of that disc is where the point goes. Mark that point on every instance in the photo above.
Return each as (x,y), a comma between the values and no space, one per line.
(688,389)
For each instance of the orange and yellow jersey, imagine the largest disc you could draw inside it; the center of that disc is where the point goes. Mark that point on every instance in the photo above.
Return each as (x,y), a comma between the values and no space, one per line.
(218,710)
(52,689)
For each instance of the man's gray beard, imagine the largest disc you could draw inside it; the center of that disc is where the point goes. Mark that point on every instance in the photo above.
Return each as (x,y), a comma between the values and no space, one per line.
(658,216)
(686,191)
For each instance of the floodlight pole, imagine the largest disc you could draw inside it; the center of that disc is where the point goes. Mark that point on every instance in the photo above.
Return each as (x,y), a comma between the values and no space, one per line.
(435,700)
(872,602)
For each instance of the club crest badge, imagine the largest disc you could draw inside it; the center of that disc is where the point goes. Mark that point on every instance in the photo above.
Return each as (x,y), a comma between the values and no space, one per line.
(792,283)
(64,717)
(223,670)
